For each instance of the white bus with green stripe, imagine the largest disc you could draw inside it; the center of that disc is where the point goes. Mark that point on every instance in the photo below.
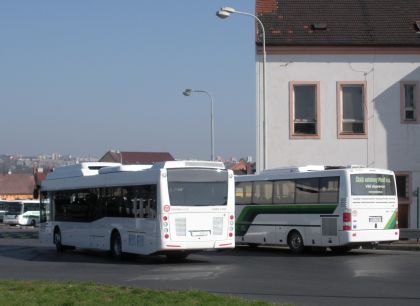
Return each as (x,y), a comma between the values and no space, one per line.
(317,206)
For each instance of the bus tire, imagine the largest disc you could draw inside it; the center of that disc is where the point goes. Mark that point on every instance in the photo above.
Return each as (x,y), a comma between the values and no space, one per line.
(295,242)
(116,246)
(57,241)
(33,222)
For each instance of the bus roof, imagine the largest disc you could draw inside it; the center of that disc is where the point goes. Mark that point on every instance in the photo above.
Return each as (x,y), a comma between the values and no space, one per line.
(97,168)
(189,164)
(311,169)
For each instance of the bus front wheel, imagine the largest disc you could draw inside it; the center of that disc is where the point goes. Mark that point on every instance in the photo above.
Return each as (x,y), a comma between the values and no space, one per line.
(295,242)
(116,246)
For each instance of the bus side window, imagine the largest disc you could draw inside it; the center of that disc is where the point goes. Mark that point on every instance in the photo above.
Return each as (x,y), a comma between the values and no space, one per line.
(328,189)
(148,201)
(284,192)
(307,191)
(243,193)
(263,192)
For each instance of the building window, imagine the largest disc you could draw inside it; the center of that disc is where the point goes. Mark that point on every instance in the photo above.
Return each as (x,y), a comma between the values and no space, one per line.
(304,110)
(403,192)
(410,105)
(403,187)
(352,109)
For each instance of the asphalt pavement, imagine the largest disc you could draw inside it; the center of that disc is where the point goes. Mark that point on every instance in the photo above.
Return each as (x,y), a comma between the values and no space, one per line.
(30,232)
(370,277)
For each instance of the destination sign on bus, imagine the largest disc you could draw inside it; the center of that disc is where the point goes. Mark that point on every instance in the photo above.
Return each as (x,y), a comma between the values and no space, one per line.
(372,184)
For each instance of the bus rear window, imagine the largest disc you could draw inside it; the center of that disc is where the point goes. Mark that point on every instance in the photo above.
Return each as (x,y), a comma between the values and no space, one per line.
(197,187)
(372,184)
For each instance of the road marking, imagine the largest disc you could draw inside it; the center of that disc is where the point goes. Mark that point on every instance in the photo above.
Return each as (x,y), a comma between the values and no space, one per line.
(182,273)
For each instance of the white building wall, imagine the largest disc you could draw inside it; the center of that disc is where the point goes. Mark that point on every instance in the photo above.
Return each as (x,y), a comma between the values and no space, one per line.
(390,144)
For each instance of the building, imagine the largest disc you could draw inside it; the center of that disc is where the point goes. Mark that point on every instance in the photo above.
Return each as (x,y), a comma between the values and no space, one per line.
(17,186)
(342,87)
(130,158)
(242,167)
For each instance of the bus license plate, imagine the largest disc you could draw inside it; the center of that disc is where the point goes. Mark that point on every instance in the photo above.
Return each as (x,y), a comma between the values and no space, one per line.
(375,219)
(199,233)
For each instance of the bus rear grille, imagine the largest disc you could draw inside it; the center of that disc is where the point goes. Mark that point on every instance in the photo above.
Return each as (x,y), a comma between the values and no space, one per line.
(329,226)
(217,225)
(181,226)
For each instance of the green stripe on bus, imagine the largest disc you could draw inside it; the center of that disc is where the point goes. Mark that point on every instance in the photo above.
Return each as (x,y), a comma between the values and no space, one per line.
(392,222)
(248,214)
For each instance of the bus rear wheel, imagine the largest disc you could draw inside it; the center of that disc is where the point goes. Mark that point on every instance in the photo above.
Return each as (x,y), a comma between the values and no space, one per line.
(116,246)
(295,242)
(57,241)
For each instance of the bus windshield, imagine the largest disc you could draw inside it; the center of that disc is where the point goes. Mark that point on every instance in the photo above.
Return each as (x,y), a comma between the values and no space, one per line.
(372,184)
(197,187)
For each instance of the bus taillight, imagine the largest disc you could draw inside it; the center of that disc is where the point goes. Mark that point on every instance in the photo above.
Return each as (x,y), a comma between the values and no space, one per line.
(396,220)
(347,221)
(165,226)
(231,225)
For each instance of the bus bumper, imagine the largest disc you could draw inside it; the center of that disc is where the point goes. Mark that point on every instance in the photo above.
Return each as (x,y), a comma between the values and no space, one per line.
(198,245)
(366,236)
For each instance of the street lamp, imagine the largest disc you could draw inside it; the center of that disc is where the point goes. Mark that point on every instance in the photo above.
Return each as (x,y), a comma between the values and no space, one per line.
(188,92)
(223,13)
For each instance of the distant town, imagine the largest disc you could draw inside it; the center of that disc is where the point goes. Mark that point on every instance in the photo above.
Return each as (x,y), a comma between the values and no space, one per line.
(23,164)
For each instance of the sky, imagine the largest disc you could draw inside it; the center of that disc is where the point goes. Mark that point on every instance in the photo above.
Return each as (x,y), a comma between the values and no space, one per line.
(84,77)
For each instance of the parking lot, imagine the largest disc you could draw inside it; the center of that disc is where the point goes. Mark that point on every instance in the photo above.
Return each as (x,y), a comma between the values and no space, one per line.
(363,277)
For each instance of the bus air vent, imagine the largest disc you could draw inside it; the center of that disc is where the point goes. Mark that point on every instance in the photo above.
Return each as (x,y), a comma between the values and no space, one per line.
(181,226)
(329,226)
(217,225)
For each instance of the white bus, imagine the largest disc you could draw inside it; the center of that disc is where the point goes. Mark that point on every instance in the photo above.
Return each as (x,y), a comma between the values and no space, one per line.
(20,212)
(316,206)
(172,208)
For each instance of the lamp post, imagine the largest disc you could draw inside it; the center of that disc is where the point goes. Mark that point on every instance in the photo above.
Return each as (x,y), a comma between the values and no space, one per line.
(188,92)
(223,13)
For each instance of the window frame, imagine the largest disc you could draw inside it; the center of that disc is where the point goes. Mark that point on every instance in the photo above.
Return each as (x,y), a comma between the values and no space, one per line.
(406,200)
(292,133)
(416,102)
(348,135)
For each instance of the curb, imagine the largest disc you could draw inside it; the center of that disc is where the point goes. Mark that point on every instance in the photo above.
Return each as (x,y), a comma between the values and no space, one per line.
(414,246)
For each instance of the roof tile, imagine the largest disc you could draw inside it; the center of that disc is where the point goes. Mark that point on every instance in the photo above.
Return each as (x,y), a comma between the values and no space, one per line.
(349,22)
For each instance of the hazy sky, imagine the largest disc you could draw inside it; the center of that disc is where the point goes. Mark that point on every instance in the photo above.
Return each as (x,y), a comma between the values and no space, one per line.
(82,77)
